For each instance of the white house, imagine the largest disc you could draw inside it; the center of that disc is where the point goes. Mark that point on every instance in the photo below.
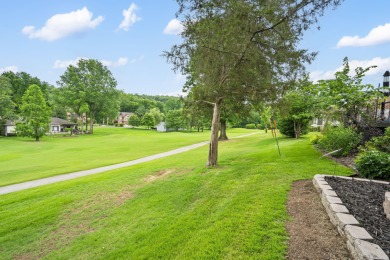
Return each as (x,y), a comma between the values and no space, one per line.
(161,127)
(9,128)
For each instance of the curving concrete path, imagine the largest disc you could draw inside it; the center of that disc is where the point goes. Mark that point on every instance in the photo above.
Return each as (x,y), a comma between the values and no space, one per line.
(70,176)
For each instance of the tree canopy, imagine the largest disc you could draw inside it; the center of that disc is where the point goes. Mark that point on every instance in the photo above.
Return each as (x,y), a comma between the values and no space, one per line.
(35,113)
(20,82)
(7,106)
(90,83)
(348,96)
(242,51)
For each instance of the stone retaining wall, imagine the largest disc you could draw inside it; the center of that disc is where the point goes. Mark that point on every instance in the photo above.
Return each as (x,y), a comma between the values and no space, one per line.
(359,241)
(386,204)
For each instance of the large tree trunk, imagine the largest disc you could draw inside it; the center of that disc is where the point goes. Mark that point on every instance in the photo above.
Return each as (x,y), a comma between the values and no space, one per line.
(213,148)
(222,135)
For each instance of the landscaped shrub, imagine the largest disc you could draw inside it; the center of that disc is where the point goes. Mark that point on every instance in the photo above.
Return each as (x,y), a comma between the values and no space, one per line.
(286,127)
(315,139)
(380,143)
(373,164)
(250,126)
(343,138)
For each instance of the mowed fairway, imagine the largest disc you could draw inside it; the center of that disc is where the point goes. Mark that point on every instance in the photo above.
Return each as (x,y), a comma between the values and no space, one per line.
(23,159)
(172,208)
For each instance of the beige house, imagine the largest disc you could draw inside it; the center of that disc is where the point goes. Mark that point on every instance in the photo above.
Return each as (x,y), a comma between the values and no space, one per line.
(123,117)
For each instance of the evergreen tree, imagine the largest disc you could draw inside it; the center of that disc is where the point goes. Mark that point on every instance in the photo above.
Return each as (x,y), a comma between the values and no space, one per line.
(35,113)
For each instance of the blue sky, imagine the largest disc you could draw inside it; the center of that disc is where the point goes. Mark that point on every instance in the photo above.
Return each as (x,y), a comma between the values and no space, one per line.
(42,37)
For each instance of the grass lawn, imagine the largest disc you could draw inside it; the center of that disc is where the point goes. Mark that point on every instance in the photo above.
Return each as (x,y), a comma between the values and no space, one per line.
(23,159)
(172,208)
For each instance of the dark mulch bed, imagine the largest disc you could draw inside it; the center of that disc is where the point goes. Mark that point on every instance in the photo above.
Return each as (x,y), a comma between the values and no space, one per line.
(364,200)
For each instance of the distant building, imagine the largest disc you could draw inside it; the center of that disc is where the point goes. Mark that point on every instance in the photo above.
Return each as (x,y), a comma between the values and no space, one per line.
(161,127)
(123,117)
(9,128)
(59,125)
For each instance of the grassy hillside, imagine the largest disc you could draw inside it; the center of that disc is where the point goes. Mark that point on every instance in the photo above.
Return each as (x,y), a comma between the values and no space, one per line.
(173,208)
(23,159)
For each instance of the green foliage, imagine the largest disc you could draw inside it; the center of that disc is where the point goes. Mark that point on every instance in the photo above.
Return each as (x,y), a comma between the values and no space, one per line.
(35,113)
(373,164)
(157,116)
(250,126)
(315,139)
(141,104)
(380,143)
(134,120)
(286,127)
(238,53)
(20,82)
(148,120)
(172,104)
(344,138)
(265,116)
(90,83)
(174,120)
(347,97)
(7,106)
(296,107)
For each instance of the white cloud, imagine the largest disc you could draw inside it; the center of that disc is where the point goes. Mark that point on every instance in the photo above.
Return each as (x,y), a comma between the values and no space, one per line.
(63,25)
(62,64)
(174,27)
(9,68)
(130,17)
(382,64)
(377,35)
(122,61)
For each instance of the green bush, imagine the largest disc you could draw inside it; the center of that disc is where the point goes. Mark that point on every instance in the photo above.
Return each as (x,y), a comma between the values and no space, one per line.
(250,126)
(316,138)
(373,164)
(286,127)
(343,138)
(380,143)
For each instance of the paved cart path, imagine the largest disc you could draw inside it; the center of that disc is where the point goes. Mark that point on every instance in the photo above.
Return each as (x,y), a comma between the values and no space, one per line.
(70,176)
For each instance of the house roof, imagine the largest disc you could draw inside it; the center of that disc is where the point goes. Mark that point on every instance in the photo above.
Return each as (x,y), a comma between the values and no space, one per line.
(9,123)
(60,121)
(125,113)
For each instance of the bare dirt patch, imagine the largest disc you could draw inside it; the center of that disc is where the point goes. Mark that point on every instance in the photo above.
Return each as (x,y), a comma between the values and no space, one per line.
(159,174)
(122,197)
(311,234)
